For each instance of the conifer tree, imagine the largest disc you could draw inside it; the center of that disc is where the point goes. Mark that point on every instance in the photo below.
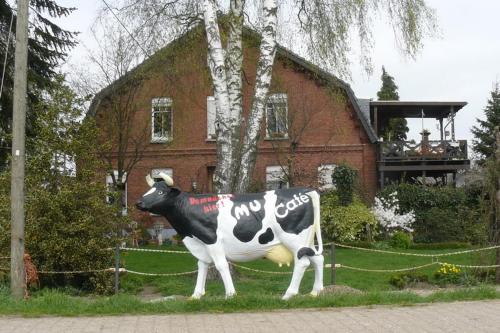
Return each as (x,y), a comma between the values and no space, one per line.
(484,132)
(393,129)
(47,47)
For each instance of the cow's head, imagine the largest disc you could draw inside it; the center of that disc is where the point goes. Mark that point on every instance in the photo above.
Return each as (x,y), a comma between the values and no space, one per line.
(161,193)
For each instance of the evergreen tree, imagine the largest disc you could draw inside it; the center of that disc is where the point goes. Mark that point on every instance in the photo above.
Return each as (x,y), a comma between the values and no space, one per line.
(47,47)
(484,142)
(393,129)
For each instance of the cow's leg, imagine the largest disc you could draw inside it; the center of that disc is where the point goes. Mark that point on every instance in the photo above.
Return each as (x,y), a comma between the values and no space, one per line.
(317,261)
(219,258)
(199,290)
(300,266)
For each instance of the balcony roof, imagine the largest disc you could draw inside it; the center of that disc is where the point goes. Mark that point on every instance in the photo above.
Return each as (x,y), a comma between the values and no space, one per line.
(413,109)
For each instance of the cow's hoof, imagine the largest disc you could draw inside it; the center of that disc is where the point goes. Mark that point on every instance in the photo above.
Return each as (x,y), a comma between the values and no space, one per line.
(196,296)
(230,295)
(315,293)
(287,296)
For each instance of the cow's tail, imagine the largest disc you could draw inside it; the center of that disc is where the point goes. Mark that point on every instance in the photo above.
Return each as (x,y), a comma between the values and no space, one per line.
(317,219)
(316,226)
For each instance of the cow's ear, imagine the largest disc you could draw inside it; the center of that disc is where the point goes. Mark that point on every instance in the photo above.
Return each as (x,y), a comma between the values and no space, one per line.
(174,191)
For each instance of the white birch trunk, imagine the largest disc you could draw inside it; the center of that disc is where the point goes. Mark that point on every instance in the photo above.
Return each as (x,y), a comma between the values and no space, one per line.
(224,120)
(262,83)
(234,65)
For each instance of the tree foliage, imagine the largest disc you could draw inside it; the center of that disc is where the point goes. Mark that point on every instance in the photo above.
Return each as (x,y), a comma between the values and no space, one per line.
(47,47)
(68,224)
(392,129)
(484,136)
(345,178)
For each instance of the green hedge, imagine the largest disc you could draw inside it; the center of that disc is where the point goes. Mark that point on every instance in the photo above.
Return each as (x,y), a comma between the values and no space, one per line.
(443,214)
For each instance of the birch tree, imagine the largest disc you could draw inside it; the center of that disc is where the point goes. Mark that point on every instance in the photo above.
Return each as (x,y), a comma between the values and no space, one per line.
(322,30)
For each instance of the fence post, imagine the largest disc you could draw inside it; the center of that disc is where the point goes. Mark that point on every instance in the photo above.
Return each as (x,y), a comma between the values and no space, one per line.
(333,262)
(117,268)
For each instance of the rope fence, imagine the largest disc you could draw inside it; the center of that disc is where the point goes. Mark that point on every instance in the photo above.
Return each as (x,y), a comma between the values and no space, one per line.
(427,255)
(333,266)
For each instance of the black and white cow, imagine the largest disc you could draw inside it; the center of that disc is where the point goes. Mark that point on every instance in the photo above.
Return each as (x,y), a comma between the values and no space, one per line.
(279,225)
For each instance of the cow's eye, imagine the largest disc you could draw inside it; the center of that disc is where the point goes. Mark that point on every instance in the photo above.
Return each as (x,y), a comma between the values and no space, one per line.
(160,192)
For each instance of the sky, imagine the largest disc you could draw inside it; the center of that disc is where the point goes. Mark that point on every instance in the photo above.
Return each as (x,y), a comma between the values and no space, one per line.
(461,64)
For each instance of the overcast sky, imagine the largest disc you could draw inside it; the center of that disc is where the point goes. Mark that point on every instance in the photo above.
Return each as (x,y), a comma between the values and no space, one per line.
(461,65)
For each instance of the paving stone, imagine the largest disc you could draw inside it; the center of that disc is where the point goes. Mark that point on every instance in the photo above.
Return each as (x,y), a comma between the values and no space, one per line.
(480,316)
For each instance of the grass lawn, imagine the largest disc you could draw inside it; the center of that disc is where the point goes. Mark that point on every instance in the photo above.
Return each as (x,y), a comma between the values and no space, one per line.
(250,283)
(256,291)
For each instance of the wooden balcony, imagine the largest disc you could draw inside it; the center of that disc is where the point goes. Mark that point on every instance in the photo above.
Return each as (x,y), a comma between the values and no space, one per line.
(441,150)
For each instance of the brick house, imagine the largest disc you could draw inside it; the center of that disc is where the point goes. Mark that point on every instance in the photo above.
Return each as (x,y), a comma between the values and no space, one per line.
(313,121)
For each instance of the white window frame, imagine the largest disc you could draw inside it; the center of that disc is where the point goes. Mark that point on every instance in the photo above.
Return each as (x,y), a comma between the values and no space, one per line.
(275,177)
(325,181)
(109,183)
(275,99)
(211,118)
(166,103)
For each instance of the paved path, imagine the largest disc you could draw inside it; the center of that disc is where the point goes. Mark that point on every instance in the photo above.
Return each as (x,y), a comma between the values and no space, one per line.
(483,316)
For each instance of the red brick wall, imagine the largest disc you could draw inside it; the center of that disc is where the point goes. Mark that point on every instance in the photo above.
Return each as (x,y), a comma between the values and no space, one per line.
(329,130)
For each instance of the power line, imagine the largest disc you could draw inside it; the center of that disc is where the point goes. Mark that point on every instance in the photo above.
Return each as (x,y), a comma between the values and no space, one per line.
(124,27)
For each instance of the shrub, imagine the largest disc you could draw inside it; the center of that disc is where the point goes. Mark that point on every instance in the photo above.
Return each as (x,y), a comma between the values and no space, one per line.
(344,178)
(345,223)
(405,280)
(448,274)
(400,240)
(442,214)
(69,226)
(389,216)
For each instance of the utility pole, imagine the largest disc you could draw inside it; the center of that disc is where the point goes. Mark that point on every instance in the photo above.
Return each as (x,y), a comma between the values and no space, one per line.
(496,199)
(17,272)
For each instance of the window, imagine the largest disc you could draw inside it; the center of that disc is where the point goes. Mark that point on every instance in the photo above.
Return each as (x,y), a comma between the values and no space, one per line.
(155,173)
(110,188)
(211,114)
(275,178)
(161,119)
(325,181)
(276,116)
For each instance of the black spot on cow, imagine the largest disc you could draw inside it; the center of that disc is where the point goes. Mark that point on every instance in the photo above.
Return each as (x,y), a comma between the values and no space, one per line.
(266,237)
(305,251)
(294,209)
(248,210)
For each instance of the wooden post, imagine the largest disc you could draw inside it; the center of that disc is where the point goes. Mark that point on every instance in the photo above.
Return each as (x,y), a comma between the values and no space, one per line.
(333,262)
(117,269)
(17,271)
(441,130)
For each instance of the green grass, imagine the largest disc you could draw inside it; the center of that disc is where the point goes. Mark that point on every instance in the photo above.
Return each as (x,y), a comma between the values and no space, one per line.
(249,283)
(57,303)
(256,291)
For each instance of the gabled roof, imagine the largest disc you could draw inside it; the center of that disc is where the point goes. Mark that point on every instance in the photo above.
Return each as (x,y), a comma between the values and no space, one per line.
(281,51)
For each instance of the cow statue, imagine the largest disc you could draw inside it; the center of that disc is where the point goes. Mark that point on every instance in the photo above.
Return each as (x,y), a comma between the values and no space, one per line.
(279,225)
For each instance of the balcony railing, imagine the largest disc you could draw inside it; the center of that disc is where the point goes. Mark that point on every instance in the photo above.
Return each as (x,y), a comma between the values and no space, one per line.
(426,150)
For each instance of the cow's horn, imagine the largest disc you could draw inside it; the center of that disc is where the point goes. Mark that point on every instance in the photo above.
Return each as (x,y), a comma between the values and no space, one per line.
(168,180)
(150,180)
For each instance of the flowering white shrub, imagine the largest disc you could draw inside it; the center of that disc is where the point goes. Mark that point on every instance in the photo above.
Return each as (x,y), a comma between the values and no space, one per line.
(388,214)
